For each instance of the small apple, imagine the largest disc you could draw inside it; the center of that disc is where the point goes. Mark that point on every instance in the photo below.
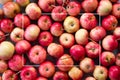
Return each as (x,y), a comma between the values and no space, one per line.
(90,78)
(116,10)
(47,69)
(23,3)
(3,66)
(116,32)
(2,36)
(117,59)
(41,78)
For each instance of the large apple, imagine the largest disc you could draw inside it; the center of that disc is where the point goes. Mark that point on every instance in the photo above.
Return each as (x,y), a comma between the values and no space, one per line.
(3,66)
(23,3)
(116,10)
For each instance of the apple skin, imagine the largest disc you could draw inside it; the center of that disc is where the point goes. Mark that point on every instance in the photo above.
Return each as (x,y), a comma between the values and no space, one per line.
(46,5)
(56,29)
(37,54)
(17,34)
(23,3)
(7,50)
(55,50)
(32,32)
(60,75)
(114,72)
(44,22)
(2,36)
(117,59)
(100,73)
(75,73)
(116,10)
(1,13)
(59,13)
(87,65)
(45,38)
(109,22)
(22,47)
(77,52)
(73,8)
(104,8)
(3,66)
(81,36)
(109,43)
(93,49)
(88,21)
(9,75)
(90,78)
(71,24)
(5,1)
(67,40)
(11,9)
(116,32)
(65,63)
(97,33)
(21,20)
(62,2)
(89,5)
(41,78)
(46,69)
(6,25)
(28,73)
(34,9)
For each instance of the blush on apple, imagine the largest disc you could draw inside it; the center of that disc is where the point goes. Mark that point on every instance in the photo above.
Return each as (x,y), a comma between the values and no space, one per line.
(3,66)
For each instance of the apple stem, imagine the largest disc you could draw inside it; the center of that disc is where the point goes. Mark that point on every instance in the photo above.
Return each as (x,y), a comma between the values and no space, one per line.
(53,6)
(92,40)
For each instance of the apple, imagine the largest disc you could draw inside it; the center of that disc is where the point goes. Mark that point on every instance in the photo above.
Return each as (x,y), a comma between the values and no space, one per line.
(41,78)
(6,25)
(2,36)
(66,40)
(97,33)
(22,47)
(56,29)
(89,5)
(32,32)
(93,49)
(90,78)
(28,73)
(33,11)
(100,73)
(56,50)
(10,9)
(116,32)
(5,1)
(17,34)
(116,10)
(104,8)
(77,52)
(62,2)
(3,66)
(75,73)
(23,3)
(44,22)
(73,8)
(109,43)
(87,65)
(88,21)
(65,63)
(45,38)
(71,24)
(37,54)
(46,5)
(114,72)
(59,75)
(21,20)
(9,75)
(1,13)
(109,22)
(59,13)
(81,36)
(7,50)
(47,69)
(117,59)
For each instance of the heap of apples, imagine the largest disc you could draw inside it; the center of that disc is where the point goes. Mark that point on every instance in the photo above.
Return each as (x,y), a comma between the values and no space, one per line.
(60,40)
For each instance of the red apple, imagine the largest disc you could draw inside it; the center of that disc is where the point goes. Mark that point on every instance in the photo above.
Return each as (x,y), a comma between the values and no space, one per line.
(44,22)
(109,43)
(37,54)
(55,50)
(93,49)
(62,2)
(22,47)
(65,62)
(90,78)
(88,21)
(116,10)
(58,13)
(23,3)
(97,33)
(47,69)
(1,13)
(11,9)
(117,59)
(33,11)
(56,29)
(45,38)
(73,8)
(109,22)
(116,32)
(6,25)
(77,52)
(28,73)
(71,24)
(2,36)
(3,66)
(89,5)
(41,78)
